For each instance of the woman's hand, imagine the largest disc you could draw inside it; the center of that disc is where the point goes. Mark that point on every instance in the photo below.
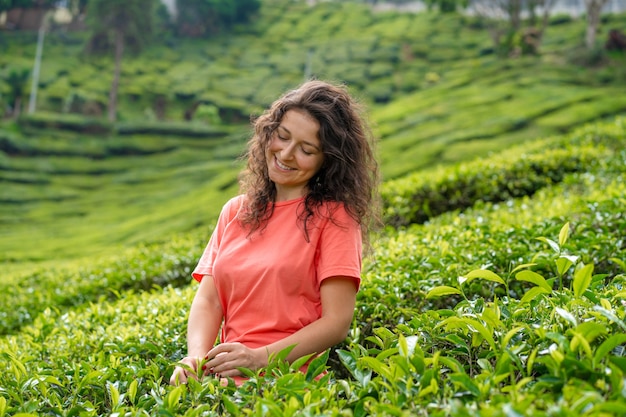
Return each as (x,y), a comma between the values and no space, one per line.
(181,374)
(225,358)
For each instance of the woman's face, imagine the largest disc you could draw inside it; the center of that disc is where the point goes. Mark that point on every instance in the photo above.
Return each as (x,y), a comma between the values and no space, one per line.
(294,154)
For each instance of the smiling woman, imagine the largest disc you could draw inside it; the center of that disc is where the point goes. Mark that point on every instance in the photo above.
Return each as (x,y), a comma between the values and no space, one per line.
(294,158)
(283,265)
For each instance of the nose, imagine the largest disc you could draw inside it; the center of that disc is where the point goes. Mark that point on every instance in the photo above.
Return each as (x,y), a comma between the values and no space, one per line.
(288,151)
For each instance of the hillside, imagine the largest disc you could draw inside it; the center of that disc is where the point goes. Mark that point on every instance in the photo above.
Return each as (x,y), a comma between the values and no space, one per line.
(502,308)
(496,289)
(436,94)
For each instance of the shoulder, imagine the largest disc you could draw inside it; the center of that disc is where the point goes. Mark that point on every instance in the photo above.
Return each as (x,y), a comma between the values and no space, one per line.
(337,212)
(232,206)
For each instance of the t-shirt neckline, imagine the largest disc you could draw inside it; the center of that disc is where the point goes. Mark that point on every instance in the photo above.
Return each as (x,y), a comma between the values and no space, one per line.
(288,202)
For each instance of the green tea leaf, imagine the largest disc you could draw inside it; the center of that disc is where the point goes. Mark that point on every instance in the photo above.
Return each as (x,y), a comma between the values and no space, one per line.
(317,366)
(610,315)
(350,362)
(532,293)
(376,366)
(620,362)
(132,390)
(621,294)
(114,393)
(567,316)
(484,274)
(555,246)
(582,279)
(564,234)
(417,360)
(442,290)
(607,346)
(509,335)
(615,408)
(173,398)
(530,362)
(406,345)
(53,380)
(534,278)
(466,383)
(591,330)
(229,405)
(563,264)
(281,355)
(298,363)
(579,340)
(620,262)
(522,266)
(469,323)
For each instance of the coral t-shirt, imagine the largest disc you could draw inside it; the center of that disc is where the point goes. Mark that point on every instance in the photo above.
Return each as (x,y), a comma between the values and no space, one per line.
(269,282)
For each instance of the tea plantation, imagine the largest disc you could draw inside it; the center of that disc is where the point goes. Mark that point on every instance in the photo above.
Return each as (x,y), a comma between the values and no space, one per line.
(511,306)
(496,287)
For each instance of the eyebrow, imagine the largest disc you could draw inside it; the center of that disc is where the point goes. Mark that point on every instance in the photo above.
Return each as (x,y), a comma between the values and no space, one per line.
(305,142)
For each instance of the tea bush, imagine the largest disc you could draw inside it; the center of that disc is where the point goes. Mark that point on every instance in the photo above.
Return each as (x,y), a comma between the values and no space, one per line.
(504,308)
(424,63)
(517,172)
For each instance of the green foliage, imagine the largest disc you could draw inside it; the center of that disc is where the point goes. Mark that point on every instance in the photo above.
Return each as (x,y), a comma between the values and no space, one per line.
(427,78)
(16,79)
(26,4)
(515,306)
(71,122)
(133,20)
(517,172)
(199,18)
(447,6)
(507,301)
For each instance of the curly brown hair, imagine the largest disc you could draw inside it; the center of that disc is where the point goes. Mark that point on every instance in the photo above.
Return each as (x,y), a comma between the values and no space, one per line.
(349,173)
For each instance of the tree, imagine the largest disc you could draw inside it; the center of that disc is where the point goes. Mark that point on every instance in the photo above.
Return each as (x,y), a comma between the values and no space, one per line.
(506,25)
(116,24)
(447,6)
(17,80)
(594,9)
(199,18)
(25,4)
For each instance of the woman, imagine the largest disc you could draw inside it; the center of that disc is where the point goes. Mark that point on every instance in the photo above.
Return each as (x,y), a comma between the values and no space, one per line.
(283,265)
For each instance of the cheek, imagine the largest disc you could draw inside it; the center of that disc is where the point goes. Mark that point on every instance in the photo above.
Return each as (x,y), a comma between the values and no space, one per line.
(315,165)
(272,146)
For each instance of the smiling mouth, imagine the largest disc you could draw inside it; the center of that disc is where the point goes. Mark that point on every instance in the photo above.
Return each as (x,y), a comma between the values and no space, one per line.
(282,166)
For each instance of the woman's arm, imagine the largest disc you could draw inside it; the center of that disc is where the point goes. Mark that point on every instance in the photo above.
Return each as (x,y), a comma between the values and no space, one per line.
(205,318)
(338,298)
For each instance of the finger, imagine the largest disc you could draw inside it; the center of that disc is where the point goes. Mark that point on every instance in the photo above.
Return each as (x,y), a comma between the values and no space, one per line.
(178,377)
(230,372)
(219,359)
(221,348)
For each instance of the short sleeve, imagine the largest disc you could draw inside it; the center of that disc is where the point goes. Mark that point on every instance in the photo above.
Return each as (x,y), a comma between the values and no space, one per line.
(340,250)
(227,215)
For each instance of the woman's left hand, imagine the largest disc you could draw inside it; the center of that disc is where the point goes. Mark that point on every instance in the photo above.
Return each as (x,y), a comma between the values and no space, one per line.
(225,358)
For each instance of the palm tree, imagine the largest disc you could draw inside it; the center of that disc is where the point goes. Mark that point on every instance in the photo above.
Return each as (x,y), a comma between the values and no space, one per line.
(116,24)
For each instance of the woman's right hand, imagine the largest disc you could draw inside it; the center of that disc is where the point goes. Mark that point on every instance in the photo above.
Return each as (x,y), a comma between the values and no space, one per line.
(182,374)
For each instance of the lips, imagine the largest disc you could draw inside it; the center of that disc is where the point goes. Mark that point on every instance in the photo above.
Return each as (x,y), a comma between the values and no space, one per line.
(282,166)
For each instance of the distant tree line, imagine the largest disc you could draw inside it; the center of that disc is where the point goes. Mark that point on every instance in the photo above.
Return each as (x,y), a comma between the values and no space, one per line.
(193,18)
(119,25)
(518,26)
(115,26)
